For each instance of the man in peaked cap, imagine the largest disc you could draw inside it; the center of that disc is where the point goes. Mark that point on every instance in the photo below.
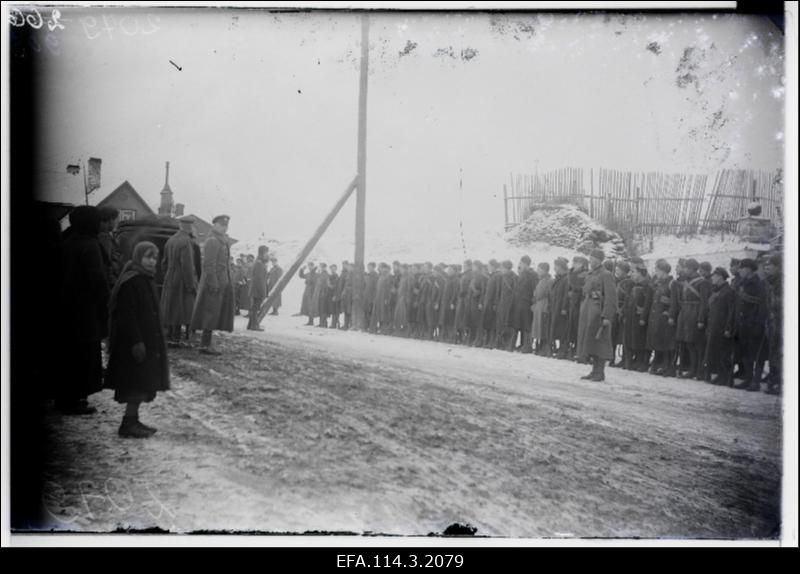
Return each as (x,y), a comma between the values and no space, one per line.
(214,307)
(597,313)
(180,281)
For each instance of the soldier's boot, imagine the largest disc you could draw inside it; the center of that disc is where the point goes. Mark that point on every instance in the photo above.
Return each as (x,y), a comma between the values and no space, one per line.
(527,343)
(592,373)
(668,369)
(599,374)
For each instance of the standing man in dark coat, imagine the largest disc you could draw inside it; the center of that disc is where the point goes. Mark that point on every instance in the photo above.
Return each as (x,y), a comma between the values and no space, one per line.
(84,312)
(310,276)
(521,314)
(346,294)
(490,304)
(505,305)
(477,294)
(772,270)
(258,288)
(462,331)
(540,327)
(111,253)
(274,275)
(370,286)
(577,278)
(214,307)
(320,306)
(751,316)
(559,308)
(382,314)
(634,326)
(663,319)
(448,305)
(597,314)
(180,281)
(434,304)
(733,269)
(720,329)
(622,278)
(692,318)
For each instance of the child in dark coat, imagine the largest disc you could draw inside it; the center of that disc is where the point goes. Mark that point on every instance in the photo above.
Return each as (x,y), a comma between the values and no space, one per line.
(137,367)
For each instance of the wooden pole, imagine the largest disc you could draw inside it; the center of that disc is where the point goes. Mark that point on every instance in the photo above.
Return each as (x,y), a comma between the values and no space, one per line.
(361,193)
(262,312)
(505,203)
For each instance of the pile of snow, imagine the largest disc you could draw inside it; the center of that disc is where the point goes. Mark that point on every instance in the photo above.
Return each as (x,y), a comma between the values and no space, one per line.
(566,226)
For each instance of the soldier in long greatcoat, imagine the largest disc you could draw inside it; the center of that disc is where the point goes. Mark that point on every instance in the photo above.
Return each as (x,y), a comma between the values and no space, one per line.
(720,329)
(273,276)
(663,319)
(477,294)
(434,303)
(597,314)
(634,325)
(180,281)
(505,306)
(448,306)
(382,313)
(559,308)
(577,278)
(751,317)
(462,304)
(403,306)
(540,328)
(214,306)
(522,314)
(490,304)
(692,318)
(258,288)
(624,285)
(370,285)
(307,305)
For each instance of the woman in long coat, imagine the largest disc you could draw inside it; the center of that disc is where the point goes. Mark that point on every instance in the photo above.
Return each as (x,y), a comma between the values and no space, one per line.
(559,308)
(720,329)
(310,276)
(84,312)
(597,315)
(541,309)
(137,365)
(663,319)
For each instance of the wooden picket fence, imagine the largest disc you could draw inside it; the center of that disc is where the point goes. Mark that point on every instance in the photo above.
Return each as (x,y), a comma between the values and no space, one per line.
(648,203)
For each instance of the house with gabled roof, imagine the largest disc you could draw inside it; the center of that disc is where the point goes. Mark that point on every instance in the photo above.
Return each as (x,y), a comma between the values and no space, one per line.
(127,200)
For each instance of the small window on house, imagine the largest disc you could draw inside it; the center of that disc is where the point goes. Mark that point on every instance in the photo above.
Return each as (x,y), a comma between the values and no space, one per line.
(127,215)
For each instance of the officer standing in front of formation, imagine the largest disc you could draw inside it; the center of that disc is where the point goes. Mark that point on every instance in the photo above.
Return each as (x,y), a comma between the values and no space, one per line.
(180,281)
(214,307)
(596,316)
(258,288)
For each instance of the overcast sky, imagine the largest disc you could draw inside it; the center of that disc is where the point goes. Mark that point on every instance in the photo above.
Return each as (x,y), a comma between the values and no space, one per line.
(260,122)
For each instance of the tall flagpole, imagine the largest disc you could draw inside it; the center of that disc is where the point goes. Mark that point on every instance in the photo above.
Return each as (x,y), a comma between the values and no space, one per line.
(361,192)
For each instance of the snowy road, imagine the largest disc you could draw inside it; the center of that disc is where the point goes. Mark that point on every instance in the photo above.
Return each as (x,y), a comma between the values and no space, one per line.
(301,429)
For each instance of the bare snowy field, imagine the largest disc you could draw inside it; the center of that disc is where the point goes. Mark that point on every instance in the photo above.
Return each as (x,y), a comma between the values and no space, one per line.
(301,429)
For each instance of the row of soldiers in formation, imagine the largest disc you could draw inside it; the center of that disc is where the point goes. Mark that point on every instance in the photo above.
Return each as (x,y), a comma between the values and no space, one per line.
(696,324)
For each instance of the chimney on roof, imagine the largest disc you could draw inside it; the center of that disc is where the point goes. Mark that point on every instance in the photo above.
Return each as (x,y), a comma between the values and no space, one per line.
(166,206)
(179,209)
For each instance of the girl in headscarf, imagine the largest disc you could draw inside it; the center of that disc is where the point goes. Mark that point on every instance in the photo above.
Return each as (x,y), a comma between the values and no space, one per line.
(137,367)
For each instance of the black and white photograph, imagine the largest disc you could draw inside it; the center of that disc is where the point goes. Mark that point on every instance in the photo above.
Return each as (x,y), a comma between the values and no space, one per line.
(517,274)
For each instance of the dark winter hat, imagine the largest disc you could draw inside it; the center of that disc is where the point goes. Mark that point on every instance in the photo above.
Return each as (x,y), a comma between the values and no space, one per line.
(580,259)
(143,248)
(525,259)
(624,266)
(562,262)
(597,254)
(508,265)
(186,220)
(262,249)
(609,265)
(705,266)
(735,261)
(692,264)
(85,219)
(663,265)
(224,219)
(468,262)
(681,262)
(722,272)
(544,266)
(636,261)
(751,263)
(371,264)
